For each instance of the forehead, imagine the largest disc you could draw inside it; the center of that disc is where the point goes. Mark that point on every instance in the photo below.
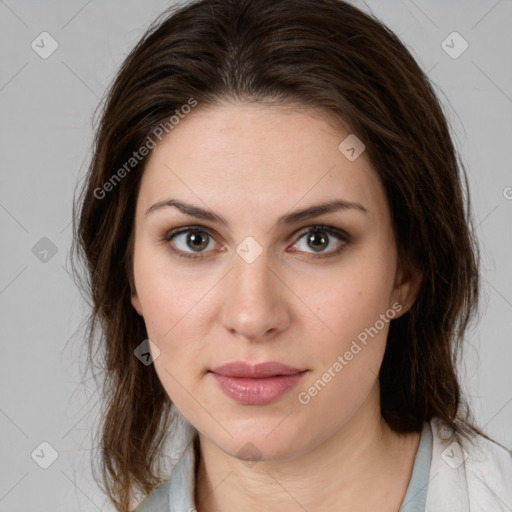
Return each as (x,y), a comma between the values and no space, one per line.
(260,155)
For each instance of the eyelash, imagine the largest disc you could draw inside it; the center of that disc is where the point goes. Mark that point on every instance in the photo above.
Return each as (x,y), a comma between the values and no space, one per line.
(341,235)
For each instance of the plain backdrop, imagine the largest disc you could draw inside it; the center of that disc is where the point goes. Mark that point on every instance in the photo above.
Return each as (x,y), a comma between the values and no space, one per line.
(46,109)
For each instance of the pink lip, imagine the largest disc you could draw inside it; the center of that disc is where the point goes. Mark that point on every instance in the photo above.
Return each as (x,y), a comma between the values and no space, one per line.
(256,384)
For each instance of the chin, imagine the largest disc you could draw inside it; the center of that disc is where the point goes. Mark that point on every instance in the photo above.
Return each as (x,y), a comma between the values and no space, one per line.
(261,441)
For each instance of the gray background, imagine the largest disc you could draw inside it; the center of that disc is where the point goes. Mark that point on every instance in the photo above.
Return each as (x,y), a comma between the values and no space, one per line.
(46,133)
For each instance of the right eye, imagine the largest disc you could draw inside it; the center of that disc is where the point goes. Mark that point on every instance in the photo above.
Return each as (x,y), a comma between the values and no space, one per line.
(195,238)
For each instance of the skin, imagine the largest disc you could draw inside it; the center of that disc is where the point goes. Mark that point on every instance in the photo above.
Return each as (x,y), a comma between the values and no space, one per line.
(251,164)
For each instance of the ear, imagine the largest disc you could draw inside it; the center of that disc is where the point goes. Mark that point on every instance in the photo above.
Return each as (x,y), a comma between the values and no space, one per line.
(136,303)
(407,287)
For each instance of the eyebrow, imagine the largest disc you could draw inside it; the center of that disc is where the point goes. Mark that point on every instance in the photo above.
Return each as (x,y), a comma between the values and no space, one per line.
(287,219)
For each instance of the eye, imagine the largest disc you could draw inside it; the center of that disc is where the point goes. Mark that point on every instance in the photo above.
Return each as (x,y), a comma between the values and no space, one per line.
(319,238)
(194,238)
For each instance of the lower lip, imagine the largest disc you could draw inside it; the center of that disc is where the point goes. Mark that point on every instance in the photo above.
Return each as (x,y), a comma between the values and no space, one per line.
(257,391)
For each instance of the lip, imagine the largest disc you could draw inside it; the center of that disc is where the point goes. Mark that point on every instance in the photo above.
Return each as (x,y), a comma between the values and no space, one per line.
(257,384)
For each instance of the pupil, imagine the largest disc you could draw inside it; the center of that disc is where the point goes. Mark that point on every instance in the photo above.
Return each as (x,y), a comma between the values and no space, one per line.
(314,237)
(198,241)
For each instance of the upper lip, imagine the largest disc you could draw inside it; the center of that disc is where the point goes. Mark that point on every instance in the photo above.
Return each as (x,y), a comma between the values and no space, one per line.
(255,371)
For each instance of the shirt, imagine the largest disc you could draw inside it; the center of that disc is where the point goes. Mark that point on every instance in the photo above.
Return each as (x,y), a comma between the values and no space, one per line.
(449,475)
(416,494)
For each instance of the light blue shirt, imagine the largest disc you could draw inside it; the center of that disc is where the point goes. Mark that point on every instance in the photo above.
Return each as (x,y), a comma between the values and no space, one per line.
(177,493)
(416,495)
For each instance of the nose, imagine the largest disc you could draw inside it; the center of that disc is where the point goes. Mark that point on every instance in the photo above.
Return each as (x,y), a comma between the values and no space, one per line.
(255,301)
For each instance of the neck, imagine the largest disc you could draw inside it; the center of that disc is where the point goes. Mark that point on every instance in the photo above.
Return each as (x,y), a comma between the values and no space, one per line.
(333,475)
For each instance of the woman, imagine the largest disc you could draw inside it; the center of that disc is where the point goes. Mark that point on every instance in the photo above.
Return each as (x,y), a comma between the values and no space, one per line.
(281,260)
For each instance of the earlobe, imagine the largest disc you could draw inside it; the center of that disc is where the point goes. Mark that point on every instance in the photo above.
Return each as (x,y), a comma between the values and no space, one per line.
(407,289)
(136,303)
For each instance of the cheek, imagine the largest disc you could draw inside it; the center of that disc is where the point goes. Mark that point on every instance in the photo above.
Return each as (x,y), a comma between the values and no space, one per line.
(347,360)
(169,298)
(173,323)
(356,297)
(356,310)
(173,306)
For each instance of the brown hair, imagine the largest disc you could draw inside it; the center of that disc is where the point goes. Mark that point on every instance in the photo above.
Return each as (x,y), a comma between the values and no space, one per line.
(325,55)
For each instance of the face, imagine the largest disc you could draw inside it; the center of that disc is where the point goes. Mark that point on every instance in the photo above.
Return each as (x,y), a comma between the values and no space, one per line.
(251,281)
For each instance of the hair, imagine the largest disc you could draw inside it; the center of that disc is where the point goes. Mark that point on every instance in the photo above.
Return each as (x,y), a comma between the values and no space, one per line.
(327,56)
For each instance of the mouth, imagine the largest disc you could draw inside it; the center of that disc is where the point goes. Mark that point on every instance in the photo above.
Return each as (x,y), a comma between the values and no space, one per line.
(258,384)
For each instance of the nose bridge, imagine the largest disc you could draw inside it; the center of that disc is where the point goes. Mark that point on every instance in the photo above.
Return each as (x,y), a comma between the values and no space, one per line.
(254,302)
(252,271)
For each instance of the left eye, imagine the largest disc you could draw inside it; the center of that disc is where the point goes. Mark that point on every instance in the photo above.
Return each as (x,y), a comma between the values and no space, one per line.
(319,238)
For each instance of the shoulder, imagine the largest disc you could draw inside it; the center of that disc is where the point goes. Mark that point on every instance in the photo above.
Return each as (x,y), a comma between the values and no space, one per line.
(489,473)
(157,501)
(466,475)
